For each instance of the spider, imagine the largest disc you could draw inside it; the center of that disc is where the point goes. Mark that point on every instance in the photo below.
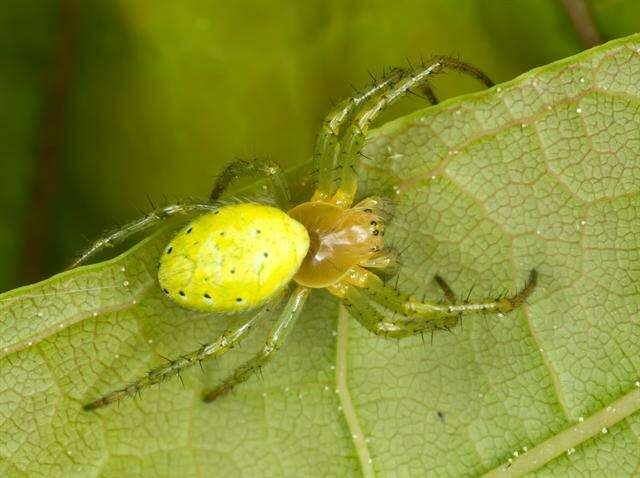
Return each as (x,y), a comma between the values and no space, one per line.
(239,257)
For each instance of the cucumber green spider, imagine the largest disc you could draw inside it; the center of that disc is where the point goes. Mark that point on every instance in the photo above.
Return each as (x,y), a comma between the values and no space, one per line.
(242,257)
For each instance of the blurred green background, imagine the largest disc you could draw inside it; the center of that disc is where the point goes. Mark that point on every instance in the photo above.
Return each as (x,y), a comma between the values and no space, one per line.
(106,103)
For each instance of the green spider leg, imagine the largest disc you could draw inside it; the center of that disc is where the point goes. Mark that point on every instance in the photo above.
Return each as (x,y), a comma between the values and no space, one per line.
(257,167)
(326,148)
(228,340)
(413,316)
(276,338)
(354,138)
(148,221)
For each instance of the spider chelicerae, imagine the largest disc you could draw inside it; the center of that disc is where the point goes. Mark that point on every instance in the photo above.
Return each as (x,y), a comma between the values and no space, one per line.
(238,257)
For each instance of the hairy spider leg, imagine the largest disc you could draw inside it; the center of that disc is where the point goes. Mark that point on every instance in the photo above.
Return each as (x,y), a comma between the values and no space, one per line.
(355,136)
(373,320)
(257,167)
(146,222)
(265,167)
(276,338)
(414,316)
(228,340)
(326,148)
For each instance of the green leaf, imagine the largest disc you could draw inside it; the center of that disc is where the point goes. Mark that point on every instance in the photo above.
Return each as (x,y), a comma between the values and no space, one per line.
(539,172)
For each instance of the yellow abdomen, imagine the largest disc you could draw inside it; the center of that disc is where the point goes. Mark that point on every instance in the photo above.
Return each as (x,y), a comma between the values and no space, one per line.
(232,259)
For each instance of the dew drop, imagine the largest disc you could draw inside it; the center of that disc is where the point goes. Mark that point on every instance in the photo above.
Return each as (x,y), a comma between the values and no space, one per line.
(581,419)
(578,110)
(604,430)
(126,283)
(123,268)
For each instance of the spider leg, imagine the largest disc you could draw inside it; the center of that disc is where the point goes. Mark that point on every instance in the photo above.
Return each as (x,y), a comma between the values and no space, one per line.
(215,348)
(449,295)
(416,309)
(354,137)
(256,167)
(152,219)
(275,340)
(413,316)
(395,326)
(382,260)
(326,148)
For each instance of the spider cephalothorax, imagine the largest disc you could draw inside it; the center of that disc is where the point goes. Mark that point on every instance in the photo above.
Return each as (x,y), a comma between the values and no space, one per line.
(340,239)
(241,257)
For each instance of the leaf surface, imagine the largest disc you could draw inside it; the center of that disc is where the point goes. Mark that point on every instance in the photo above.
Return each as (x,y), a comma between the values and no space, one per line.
(539,172)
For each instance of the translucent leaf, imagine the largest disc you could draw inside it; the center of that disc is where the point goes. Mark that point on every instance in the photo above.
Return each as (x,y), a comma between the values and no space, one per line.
(541,172)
